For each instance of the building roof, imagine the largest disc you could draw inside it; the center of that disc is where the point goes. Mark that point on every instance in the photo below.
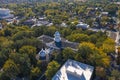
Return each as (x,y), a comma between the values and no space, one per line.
(5,13)
(82,25)
(45,39)
(49,41)
(7,16)
(106,13)
(74,70)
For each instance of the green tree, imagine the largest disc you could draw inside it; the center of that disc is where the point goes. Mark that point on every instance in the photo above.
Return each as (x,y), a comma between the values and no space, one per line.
(111,8)
(31,51)
(99,58)
(93,38)
(92,55)
(5,43)
(50,30)
(51,69)
(11,69)
(100,71)
(7,32)
(23,63)
(78,37)
(66,31)
(85,49)
(27,41)
(35,72)
(68,53)
(22,34)
(4,53)
(104,20)
(1,33)
(79,58)
(3,76)
(115,75)
(38,31)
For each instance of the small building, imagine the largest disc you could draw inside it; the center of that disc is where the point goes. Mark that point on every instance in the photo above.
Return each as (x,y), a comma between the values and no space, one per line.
(42,23)
(29,22)
(74,70)
(63,24)
(82,25)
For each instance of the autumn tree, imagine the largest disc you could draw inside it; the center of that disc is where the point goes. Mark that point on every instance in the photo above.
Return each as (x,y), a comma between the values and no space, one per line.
(92,55)
(31,51)
(108,46)
(85,49)
(5,43)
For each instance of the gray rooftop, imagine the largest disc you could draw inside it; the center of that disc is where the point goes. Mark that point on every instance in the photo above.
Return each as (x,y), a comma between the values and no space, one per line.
(45,39)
